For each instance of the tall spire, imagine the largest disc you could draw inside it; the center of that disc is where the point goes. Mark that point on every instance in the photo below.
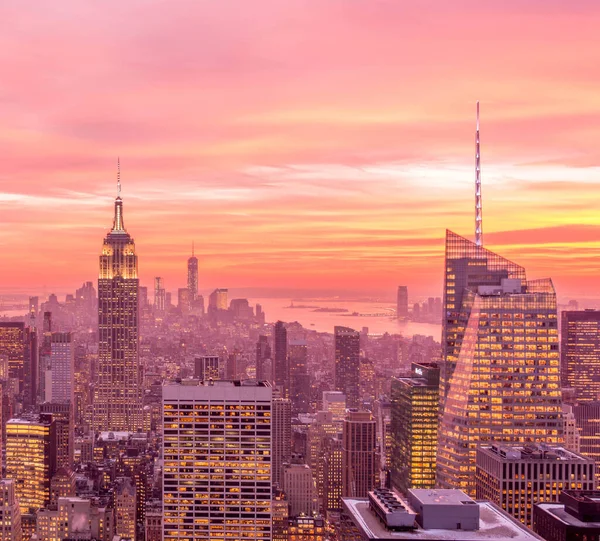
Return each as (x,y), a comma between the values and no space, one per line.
(118,177)
(478,208)
(118,225)
(192,248)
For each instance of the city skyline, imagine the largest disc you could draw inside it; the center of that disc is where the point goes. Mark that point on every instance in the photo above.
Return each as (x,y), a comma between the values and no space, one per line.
(228,144)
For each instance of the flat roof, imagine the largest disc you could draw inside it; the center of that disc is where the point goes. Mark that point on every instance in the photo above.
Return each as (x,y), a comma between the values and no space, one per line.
(429,496)
(558,510)
(494,525)
(557,453)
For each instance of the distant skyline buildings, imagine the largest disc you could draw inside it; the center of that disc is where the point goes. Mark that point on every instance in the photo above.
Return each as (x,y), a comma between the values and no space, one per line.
(347,364)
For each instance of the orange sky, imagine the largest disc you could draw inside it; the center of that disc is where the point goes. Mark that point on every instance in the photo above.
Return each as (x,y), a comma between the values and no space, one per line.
(302,144)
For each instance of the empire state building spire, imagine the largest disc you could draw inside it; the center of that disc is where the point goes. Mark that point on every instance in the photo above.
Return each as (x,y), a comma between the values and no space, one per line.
(118,225)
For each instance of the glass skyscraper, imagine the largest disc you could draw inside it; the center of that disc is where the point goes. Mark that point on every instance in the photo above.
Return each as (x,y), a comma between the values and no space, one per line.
(502,373)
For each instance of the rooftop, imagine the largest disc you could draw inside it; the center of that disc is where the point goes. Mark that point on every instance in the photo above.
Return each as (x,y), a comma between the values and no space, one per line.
(494,525)
(532,452)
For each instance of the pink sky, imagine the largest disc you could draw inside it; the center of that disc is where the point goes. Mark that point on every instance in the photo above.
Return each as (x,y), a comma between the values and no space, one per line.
(299,143)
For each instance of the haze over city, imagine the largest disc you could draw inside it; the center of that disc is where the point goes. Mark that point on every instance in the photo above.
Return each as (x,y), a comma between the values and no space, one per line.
(301,145)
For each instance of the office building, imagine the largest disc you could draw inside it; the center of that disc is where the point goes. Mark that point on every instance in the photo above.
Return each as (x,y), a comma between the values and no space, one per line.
(117,390)
(207,367)
(209,430)
(306,529)
(218,299)
(467,266)
(517,477)
(300,489)
(64,428)
(427,515)
(333,476)
(125,508)
(69,519)
(580,353)
(280,515)
(31,459)
(57,367)
(299,377)
(263,358)
(575,518)
(192,278)
(572,433)
(183,300)
(347,364)
(62,485)
(335,402)
(160,296)
(414,426)
(19,344)
(280,365)
(10,513)
(507,360)
(360,462)
(587,419)
(281,431)
(402,302)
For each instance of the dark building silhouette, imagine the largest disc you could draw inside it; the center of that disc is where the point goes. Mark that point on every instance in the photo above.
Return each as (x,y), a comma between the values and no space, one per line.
(347,364)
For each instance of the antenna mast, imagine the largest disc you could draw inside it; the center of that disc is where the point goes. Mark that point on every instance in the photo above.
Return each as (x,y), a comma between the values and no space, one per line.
(478,209)
(118,177)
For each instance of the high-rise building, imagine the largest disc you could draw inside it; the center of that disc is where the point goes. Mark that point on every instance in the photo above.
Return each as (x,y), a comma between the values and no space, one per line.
(402,302)
(587,419)
(217,300)
(125,508)
(19,344)
(192,277)
(281,364)
(64,428)
(10,513)
(359,454)
(414,426)
(467,267)
(335,402)
(217,463)
(117,390)
(306,528)
(31,459)
(333,478)
(299,486)
(183,300)
(281,430)
(504,377)
(299,377)
(347,364)
(572,433)
(516,477)
(263,357)
(206,367)
(160,295)
(580,354)
(59,368)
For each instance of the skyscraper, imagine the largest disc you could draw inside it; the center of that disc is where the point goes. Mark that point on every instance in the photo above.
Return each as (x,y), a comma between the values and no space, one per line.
(402,302)
(217,463)
(467,267)
(414,427)
(19,344)
(281,430)
(117,391)
(207,367)
(10,513)
(263,356)
(347,364)
(299,377)
(359,454)
(31,459)
(192,277)
(580,353)
(160,295)
(281,363)
(502,360)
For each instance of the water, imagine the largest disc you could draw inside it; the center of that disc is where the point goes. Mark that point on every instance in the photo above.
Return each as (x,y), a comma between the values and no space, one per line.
(325,321)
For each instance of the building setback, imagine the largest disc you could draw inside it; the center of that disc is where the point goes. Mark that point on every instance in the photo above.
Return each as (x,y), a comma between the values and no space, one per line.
(516,478)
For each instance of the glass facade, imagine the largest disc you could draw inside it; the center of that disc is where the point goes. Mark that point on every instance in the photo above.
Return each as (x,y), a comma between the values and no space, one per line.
(502,361)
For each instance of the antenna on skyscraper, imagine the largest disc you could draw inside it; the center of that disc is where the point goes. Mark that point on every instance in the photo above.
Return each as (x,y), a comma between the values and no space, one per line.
(118,177)
(478,209)
(192,248)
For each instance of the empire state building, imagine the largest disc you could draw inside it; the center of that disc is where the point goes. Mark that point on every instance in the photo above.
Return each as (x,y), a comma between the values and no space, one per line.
(117,392)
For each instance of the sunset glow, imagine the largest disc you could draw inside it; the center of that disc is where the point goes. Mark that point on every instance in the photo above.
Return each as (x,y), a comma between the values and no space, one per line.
(319,145)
